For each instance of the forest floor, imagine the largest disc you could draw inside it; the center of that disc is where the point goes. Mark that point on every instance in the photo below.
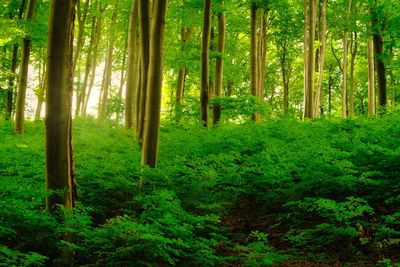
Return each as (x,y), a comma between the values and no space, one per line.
(282,193)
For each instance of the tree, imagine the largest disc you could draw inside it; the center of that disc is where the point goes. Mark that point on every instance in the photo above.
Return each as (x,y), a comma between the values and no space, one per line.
(105,87)
(205,76)
(345,62)
(59,164)
(219,71)
(377,36)
(310,14)
(322,54)
(144,29)
(154,86)
(23,74)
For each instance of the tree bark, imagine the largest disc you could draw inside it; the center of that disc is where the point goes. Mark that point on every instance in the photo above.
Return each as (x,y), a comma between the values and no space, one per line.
(132,67)
(305,50)
(144,27)
(219,72)
(205,76)
(319,95)
(253,55)
(154,86)
(354,50)
(23,75)
(345,63)
(59,174)
(379,61)
(371,71)
(308,110)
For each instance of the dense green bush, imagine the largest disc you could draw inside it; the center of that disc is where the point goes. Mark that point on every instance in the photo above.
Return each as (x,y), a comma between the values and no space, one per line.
(321,191)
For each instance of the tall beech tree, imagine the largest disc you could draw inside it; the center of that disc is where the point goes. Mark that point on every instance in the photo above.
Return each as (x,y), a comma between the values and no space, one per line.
(154,86)
(60,180)
(133,71)
(205,75)
(23,72)
(309,62)
(106,83)
(59,160)
(377,36)
(318,106)
(219,67)
(144,29)
(345,62)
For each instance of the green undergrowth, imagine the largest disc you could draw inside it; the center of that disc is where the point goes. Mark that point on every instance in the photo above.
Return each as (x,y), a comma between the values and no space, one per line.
(322,191)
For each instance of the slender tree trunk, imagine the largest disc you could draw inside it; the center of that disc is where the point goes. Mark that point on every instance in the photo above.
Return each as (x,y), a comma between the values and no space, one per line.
(371,72)
(95,52)
(154,87)
(122,79)
(186,34)
(305,51)
(132,67)
(144,26)
(11,79)
(219,72)
(205,76)
(379,62)
(253,55)
(319,97)
(262,52)
(345,63)
(42,89)
(354,48)
(13,68)
(88,66)
(59,160)
(23,75)
(285,79)
(308,110)
(108,70)
(81,21)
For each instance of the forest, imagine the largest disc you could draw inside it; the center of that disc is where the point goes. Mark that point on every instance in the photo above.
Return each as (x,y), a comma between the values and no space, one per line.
(200,133)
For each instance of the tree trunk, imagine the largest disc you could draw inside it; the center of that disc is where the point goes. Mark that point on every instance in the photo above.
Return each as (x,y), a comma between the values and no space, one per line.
(371,73)
(354,48)
(219,72)
(23,73)
(81,20)
(319,97)
(186,34)
(88,65)
(345,63)
(59,161)
(305,51)
(40,96)
(253,55)
(379,61)
(205,76)
(285,80)
(13,68)
(308,110)
(144,27)
(154,86)
(103,104)
(94,62)
(132,67)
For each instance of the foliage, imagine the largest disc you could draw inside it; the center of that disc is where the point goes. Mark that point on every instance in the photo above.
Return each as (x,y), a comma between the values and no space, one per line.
(252,195)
